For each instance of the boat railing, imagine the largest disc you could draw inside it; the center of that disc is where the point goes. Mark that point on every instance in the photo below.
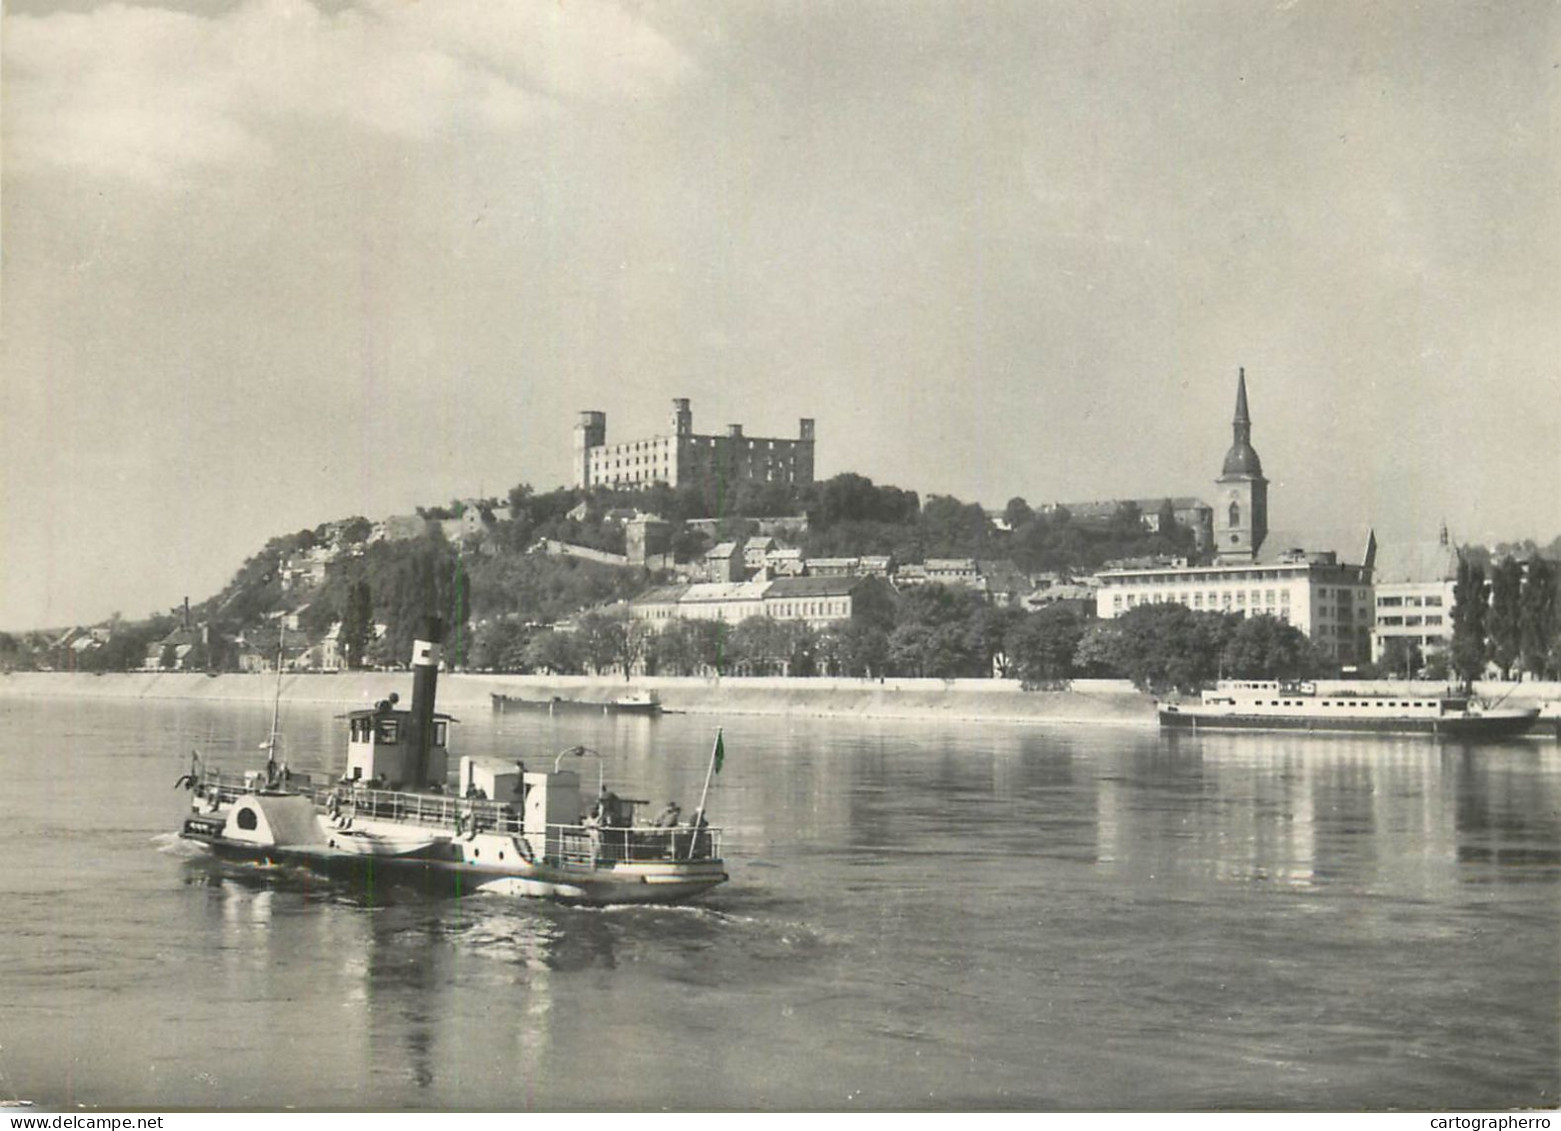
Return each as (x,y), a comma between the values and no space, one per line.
(584,844)
(596,844)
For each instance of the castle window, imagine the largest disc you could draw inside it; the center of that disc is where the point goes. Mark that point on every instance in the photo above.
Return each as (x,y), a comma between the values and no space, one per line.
(1235,514)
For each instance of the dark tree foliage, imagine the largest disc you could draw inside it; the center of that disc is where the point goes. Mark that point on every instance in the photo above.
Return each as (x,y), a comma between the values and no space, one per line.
(1503,620)
(941,632)
(1468,659)
(1402,658)
(416,579)
(1265,647)
(857,648)
(1159,647)
(357,623)
(543,589)
(854,498)
(765,646)
(550,652)
(952,529)
(1538,643)
(1041,645)
(1017,513)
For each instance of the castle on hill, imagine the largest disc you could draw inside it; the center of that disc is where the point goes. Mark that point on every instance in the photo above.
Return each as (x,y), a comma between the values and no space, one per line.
(684,456)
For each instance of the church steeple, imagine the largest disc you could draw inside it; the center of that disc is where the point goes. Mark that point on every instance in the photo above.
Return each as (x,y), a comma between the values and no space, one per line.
(1242,459)
(1241,518)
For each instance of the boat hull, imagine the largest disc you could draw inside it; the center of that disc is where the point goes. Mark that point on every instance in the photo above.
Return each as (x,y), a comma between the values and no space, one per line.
(507,703)
(1505,724)
(437,870)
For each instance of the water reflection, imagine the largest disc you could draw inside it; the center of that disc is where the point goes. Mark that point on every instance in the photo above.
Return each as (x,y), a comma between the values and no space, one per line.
(920,915)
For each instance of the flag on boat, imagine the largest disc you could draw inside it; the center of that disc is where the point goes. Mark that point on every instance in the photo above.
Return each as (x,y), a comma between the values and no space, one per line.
(720,751)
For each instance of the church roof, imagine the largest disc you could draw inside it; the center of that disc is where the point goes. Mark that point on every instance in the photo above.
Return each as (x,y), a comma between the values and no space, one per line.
(1242,458)
(1412,562)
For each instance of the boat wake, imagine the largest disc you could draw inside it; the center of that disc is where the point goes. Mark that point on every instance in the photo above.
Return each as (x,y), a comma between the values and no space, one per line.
(172,844)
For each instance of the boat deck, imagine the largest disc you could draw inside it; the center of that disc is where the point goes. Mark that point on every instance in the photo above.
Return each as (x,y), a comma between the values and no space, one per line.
(462,816)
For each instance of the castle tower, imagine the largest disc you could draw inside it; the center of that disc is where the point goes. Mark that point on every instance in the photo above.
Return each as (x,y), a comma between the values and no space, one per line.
(682,417)
(590,432)
(1241,506)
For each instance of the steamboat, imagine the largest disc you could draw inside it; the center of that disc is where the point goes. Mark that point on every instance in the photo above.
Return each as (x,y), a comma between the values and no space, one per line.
(1272,705)
(504,828)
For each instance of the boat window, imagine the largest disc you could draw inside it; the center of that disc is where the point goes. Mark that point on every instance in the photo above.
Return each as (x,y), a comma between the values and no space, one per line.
(440,733)
(246,819)
(389,731)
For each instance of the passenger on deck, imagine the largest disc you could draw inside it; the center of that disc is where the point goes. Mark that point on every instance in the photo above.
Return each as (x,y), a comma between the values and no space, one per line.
(669,816)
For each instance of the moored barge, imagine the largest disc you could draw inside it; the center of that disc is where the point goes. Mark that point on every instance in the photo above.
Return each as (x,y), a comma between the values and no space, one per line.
(1272,705)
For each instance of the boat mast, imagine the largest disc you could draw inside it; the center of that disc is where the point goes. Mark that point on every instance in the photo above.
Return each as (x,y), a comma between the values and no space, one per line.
(276,701)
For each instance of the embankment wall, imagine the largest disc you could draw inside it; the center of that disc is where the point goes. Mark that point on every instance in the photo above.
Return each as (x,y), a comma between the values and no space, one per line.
(1090,701)
(1086,701)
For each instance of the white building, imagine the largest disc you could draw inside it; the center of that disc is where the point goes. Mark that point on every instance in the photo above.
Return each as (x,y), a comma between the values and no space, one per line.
(1414,596)
(1329,601)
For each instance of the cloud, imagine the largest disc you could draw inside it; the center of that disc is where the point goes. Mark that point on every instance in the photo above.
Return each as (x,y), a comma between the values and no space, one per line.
(153,95)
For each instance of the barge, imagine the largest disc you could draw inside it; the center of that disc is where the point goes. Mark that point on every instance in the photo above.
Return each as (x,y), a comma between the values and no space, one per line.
(1272,705)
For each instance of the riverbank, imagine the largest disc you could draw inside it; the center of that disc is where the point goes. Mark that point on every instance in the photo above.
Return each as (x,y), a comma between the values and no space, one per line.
(1086,701)
(1113,702)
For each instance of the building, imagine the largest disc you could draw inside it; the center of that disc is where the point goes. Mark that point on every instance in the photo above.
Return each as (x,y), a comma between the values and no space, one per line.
(648,541)
(1241,503)
(755,550)
(785,561)
(682,456)
(724,562)
(1414,585)
(1330,601)
(1195,514)
(815,601)
(1327,600)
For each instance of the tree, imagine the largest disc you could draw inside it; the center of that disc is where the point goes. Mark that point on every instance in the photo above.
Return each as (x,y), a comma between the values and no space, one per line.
(855,647)
(357,624)
(1538,617)
(950,528)
(765,646)
(941,632)
(1017,513)
(554,653)
(602,637)
(1468,658)
(1401,656)
(1503,620)
(1127,521)
(1265,647)
(1041,645)
(1165,646)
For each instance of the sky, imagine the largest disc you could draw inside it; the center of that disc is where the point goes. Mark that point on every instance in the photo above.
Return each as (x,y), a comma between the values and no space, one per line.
(268,264)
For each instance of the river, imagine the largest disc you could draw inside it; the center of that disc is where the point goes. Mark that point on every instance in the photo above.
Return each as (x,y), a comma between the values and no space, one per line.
(920,917)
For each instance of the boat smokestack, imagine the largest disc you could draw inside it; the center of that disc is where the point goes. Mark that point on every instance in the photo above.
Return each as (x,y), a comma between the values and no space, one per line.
(425,685)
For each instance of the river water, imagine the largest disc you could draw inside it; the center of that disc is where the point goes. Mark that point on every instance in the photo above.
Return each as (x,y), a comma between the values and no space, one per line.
(920,917)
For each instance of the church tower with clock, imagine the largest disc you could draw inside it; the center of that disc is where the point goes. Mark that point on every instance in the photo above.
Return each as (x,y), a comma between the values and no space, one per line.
(1241,499)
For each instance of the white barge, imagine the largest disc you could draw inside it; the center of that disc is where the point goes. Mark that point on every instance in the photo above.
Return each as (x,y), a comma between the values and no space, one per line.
(1271,705)
(505,828)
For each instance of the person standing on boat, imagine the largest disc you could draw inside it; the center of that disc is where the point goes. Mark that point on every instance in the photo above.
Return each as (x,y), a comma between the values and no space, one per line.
(669,816)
